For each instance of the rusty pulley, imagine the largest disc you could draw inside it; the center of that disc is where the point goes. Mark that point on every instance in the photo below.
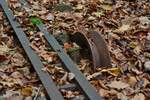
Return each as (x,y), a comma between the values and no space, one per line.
(96,46)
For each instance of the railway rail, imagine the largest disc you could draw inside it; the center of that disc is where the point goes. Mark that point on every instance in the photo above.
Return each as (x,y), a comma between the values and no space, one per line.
(52,90)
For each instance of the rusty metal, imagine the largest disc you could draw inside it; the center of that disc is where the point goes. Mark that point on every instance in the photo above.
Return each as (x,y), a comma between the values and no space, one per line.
(97,47)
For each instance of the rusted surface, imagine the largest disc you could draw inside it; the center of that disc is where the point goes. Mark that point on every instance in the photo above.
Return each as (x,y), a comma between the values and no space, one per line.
(97,47)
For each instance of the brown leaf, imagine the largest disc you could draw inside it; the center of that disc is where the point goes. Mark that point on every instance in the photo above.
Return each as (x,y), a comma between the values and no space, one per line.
(146,82)
(131,80)
(2,58)
(12,95)
(1,15)
(67,46)
(139,96)
(4,49)
(122,96)
(50,17)
(101,83)
(118,85)
(104,93)
(18,60)
(122,29)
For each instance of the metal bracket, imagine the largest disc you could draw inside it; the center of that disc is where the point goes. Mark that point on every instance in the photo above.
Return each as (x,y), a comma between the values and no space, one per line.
(97,47)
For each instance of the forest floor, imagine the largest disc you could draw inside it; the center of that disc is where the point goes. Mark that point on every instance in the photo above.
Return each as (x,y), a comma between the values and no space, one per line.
(124,24)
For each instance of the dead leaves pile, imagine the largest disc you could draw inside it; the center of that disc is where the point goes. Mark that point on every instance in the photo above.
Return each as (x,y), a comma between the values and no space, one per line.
(125,26)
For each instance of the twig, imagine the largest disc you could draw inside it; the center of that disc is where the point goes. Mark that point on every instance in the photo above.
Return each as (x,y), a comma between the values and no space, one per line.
(36,96)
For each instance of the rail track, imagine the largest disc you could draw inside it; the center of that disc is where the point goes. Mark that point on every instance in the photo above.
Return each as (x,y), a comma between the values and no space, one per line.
(53,91)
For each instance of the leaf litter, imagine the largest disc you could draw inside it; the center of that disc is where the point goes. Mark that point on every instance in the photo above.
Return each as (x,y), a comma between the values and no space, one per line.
(125,26)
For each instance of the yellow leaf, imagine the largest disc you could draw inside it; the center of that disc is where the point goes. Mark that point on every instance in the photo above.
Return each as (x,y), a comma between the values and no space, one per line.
(132,45)
(113,71)
(27,91)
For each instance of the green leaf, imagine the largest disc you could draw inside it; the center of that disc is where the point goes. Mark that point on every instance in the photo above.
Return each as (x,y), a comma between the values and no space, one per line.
(35,21)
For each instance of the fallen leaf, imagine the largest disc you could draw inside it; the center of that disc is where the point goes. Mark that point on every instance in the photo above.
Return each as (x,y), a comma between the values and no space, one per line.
(146,82)
(145,22)
(106,7)
(63,7)
(2,58)
(94,75)
(137,50)
(136,71)
(139,96)
(18,60)
(147,65)
(29,98)
(71,76)
(67,46)
(79,7)
(8,84)
(131,80)
(122,29)
(36,6)
(27,91)
(1,15)
(16,74)
(14,98)
(122,96)
(113,92)
(50,17)
(12,95)
(101,84)
(113,71)
(104,93)
(4,49)
(107,93)
(98,14)
(118,85)
(91,18)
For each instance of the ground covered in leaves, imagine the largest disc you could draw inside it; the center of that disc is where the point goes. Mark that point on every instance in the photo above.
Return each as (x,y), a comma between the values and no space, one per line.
(124,24)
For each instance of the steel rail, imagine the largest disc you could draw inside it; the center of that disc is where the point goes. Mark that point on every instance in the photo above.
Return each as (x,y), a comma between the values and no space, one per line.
(45,78)
(82,82)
